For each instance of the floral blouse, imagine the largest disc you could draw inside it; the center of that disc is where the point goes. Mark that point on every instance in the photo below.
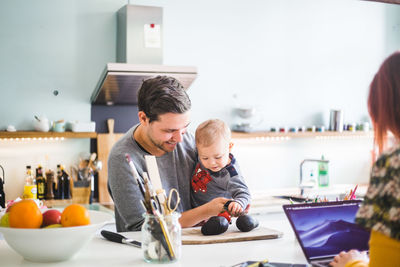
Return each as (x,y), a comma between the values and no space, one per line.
(381,207)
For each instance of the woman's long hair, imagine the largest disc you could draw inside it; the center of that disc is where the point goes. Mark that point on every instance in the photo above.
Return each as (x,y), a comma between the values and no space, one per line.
(384,100)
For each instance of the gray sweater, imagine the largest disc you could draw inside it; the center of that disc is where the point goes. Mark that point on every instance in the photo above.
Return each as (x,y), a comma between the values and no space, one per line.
(228,183)
(175,169)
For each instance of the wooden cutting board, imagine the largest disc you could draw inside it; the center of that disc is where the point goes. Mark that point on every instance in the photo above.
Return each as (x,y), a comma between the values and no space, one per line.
(104,144)
(193,236)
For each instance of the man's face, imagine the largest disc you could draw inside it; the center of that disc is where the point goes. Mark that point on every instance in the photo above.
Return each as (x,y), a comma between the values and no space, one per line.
(216,156)
(168,130)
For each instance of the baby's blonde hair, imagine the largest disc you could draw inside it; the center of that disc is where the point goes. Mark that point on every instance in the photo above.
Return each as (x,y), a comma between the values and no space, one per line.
(210,131)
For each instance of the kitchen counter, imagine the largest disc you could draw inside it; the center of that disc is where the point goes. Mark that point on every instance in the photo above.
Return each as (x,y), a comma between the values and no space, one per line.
(265,207)
(100,252)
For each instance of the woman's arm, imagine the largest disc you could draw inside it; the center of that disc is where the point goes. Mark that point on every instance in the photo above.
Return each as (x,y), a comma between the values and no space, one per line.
(192,217)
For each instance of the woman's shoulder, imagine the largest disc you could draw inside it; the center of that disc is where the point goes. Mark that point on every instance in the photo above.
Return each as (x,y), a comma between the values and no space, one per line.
(389,159)
(380,210)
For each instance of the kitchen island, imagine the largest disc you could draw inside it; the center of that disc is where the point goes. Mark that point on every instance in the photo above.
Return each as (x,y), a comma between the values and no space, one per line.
(100,252)
(266,208)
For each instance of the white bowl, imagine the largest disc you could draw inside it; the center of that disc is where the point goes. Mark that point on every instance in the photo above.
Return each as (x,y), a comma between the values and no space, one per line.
(54,244)
(77,126)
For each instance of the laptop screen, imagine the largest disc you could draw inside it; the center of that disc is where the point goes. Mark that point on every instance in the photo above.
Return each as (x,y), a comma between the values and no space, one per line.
(326,228)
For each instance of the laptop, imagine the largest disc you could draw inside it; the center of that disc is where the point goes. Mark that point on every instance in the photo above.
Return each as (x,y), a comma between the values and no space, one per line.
(324,229)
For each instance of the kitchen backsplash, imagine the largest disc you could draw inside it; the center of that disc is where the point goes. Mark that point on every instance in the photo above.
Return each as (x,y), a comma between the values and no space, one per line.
(16,155)
(266,165)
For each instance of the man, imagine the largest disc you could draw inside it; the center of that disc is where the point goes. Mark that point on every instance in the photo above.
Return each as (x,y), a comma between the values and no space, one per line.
(164,115)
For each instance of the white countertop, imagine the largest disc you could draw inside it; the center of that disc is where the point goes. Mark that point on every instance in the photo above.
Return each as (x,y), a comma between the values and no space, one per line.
(267,209)
(100,252)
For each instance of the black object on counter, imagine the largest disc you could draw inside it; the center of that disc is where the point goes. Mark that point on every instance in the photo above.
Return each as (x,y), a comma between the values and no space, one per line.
(215,225)
(118,238)
(246,223)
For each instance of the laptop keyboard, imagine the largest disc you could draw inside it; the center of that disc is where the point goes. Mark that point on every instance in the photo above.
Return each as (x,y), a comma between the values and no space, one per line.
(276,264)
(321,263)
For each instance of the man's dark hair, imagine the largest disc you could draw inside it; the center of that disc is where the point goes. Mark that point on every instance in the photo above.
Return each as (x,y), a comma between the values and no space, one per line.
(162,95)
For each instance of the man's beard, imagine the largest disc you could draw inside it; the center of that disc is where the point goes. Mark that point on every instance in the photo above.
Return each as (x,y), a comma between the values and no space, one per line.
(159,145)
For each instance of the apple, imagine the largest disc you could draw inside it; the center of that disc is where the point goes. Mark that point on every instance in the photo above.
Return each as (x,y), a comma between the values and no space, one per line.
(51,217)
(9,204)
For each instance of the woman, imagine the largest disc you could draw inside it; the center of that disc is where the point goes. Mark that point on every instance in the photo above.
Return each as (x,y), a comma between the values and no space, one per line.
(380,211)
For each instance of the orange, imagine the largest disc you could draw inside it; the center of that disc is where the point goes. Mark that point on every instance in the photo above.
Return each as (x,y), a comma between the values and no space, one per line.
(75,215)
(25,214)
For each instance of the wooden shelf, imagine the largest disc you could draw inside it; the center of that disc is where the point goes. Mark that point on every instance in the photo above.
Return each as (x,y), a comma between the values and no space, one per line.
(33,134)
(289,135)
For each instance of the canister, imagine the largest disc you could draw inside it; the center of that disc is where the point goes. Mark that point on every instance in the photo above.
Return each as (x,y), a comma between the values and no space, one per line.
(336,120)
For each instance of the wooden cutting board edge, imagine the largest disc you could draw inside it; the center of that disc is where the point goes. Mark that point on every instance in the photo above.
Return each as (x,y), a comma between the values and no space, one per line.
(243,236)
(238,239)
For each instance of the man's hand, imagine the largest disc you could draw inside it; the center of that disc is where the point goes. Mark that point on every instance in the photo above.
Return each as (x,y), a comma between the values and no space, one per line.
(345,257)
(235,209)
(204,212)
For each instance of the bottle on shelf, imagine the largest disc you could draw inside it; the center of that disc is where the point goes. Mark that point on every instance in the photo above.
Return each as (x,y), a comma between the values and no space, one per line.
(41,183)
(50,184)
(30,189)
(60,183)
(323,177)
(67,183)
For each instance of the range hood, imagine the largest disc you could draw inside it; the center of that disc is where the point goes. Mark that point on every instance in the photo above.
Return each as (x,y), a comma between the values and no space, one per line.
(139,56)
(119,82)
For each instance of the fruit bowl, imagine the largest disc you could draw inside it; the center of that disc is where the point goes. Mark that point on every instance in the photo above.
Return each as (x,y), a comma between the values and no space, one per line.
(54,244)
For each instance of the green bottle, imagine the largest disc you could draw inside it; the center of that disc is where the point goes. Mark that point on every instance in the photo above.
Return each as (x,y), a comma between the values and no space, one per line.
(323,177)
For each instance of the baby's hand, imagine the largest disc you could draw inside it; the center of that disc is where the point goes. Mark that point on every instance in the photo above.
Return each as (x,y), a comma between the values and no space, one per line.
(235,209)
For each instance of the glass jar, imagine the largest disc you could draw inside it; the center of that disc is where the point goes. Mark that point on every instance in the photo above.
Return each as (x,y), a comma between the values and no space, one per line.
(161,238)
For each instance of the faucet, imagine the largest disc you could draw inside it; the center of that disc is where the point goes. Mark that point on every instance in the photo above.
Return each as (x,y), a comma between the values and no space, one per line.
(302,186)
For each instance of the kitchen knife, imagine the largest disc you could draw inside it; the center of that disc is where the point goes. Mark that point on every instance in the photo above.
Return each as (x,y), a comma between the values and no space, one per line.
(118,238)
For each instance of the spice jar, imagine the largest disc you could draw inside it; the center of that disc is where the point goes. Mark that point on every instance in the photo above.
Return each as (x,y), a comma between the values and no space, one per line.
(161,238)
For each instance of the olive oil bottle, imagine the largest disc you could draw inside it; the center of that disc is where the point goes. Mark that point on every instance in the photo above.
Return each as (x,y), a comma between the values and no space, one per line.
(30,188)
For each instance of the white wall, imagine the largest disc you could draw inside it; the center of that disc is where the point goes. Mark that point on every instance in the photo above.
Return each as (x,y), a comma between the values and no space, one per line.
(293,60)
(268,165)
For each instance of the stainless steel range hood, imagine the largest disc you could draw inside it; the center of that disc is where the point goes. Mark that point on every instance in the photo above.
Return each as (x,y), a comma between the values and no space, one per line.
(120,82)
(139,53)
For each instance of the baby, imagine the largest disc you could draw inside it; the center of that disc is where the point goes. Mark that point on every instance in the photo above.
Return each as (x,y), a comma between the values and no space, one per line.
(217,173)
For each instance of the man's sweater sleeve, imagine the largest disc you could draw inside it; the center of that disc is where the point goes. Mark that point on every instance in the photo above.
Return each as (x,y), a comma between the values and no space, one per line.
(125,193)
